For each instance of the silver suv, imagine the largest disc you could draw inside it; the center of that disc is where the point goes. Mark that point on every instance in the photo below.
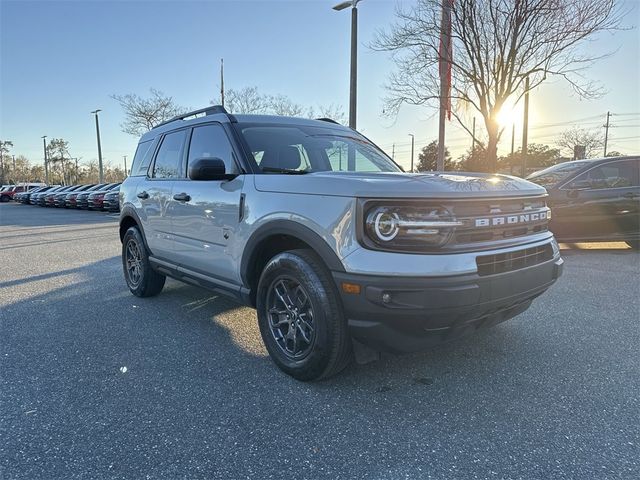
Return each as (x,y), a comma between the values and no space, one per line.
(319,230)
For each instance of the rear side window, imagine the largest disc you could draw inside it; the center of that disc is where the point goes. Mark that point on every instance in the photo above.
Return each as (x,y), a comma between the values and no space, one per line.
(210,141)
(169,157)
(142,159)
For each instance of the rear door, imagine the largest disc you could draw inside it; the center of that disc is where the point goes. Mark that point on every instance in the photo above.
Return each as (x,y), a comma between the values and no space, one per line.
(154,193)
(205,214)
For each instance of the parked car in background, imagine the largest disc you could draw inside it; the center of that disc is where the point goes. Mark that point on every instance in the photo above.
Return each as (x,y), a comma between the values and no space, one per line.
(37,197)
(8,192)
(82,198)
(49,198)
(95,200)
(25,197)
(594,200)
(70,197)
(60,197)
(111,201)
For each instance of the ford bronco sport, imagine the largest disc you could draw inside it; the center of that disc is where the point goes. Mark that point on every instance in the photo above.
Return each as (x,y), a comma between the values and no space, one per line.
(320,231)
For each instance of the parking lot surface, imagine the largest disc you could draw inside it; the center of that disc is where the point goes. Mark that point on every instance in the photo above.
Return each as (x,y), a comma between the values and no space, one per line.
(96,383)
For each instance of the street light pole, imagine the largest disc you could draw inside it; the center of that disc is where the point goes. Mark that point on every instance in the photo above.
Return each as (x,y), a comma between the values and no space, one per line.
(46,167)
(125,166)
(95,112)
(412,141)
(353,81)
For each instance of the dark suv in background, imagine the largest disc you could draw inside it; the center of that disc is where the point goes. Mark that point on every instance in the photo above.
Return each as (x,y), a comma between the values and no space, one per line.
(594,200)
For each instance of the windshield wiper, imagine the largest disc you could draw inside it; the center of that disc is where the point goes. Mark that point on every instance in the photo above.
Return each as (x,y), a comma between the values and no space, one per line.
(285,170)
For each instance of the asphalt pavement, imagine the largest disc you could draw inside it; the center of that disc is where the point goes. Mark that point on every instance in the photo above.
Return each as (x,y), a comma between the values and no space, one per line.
(96,383)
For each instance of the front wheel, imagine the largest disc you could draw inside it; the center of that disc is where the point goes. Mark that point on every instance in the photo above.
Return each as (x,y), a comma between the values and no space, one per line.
(141,279)
(4,198)
(635,244)
(300,317)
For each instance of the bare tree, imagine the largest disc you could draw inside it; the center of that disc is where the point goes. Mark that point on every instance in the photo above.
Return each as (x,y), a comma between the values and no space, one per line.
(497,45)
(250,100)
(247,100)
(57,153)
(283,105)
(142,114)
(5,148)
(591,140)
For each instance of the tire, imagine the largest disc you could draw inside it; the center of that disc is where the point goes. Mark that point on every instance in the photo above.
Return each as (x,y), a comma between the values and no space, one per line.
(298,280)
(141,279)
(4,198)
(635,244)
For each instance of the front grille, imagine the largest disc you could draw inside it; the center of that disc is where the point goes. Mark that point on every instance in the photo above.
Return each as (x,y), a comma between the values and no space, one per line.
(510,261)
(493,220)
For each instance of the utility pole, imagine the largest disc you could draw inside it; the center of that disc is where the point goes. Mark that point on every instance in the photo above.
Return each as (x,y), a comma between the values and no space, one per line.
(393,152)
(445,78)
(221,84)
(513,139)
(77,176)
(14,164)
(606,133)
(412,141)
(473,141)
(125,167)
(525,127)
(95,112)
(46,167)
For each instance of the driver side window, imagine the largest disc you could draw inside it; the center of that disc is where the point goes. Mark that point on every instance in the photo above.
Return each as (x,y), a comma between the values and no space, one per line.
(612,175)
(210,141)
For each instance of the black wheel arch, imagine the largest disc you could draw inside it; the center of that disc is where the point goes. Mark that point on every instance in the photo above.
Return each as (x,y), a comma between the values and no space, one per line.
(129,218)
(278,236)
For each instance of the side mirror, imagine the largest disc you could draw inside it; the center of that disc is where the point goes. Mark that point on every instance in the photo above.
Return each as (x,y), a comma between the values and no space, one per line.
(208,169)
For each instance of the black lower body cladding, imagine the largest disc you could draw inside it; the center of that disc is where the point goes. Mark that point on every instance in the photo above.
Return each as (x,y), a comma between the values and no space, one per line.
(406,314)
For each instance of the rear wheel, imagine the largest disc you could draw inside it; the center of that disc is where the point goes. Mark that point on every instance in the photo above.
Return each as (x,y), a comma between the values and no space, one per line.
(300,316)
(141,279)
(635,244)
(4,198)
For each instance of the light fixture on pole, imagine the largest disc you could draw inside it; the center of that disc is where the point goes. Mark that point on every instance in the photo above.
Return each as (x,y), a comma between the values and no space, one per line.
(412,142)
(46,167)
(95,112)
(353,87)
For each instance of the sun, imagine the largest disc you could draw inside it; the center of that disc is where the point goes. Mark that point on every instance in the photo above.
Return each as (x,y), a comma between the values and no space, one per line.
(508,116)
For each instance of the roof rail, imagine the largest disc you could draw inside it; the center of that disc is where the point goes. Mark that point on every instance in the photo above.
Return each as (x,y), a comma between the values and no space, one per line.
(330,120)
(207,111)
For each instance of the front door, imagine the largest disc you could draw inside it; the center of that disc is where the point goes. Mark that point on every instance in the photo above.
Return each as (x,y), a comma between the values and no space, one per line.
(206,214)
(602,203)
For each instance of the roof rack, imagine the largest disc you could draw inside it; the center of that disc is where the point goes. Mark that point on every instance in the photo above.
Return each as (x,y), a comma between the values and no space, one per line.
(212,110)
(330,120)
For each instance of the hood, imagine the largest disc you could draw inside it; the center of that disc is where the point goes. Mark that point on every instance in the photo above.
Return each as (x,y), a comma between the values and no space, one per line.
(398,185)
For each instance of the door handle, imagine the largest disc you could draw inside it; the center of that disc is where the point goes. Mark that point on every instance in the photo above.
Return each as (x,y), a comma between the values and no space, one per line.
(631,195)
(181,197)
(143,195)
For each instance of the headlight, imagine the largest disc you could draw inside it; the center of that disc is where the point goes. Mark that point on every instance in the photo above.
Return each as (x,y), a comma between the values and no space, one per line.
(408,227)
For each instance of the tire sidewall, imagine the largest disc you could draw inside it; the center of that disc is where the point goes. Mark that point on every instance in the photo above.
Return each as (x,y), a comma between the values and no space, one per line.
(134,234)
(314,363)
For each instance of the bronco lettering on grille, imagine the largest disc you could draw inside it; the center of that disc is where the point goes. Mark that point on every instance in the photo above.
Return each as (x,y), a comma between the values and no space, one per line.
(511,219)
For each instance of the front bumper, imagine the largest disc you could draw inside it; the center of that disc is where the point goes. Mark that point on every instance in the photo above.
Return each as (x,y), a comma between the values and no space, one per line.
(424,311)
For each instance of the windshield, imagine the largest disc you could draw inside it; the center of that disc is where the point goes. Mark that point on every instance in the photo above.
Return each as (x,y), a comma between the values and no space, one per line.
(553,175)
(298,149)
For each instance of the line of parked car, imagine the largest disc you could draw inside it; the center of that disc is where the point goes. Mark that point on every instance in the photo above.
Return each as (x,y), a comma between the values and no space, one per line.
(102,196)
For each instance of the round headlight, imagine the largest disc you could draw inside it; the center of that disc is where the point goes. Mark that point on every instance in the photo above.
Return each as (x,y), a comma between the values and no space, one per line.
(385,225)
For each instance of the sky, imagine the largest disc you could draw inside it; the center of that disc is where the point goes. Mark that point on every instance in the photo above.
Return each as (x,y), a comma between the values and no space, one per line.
(62,59)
